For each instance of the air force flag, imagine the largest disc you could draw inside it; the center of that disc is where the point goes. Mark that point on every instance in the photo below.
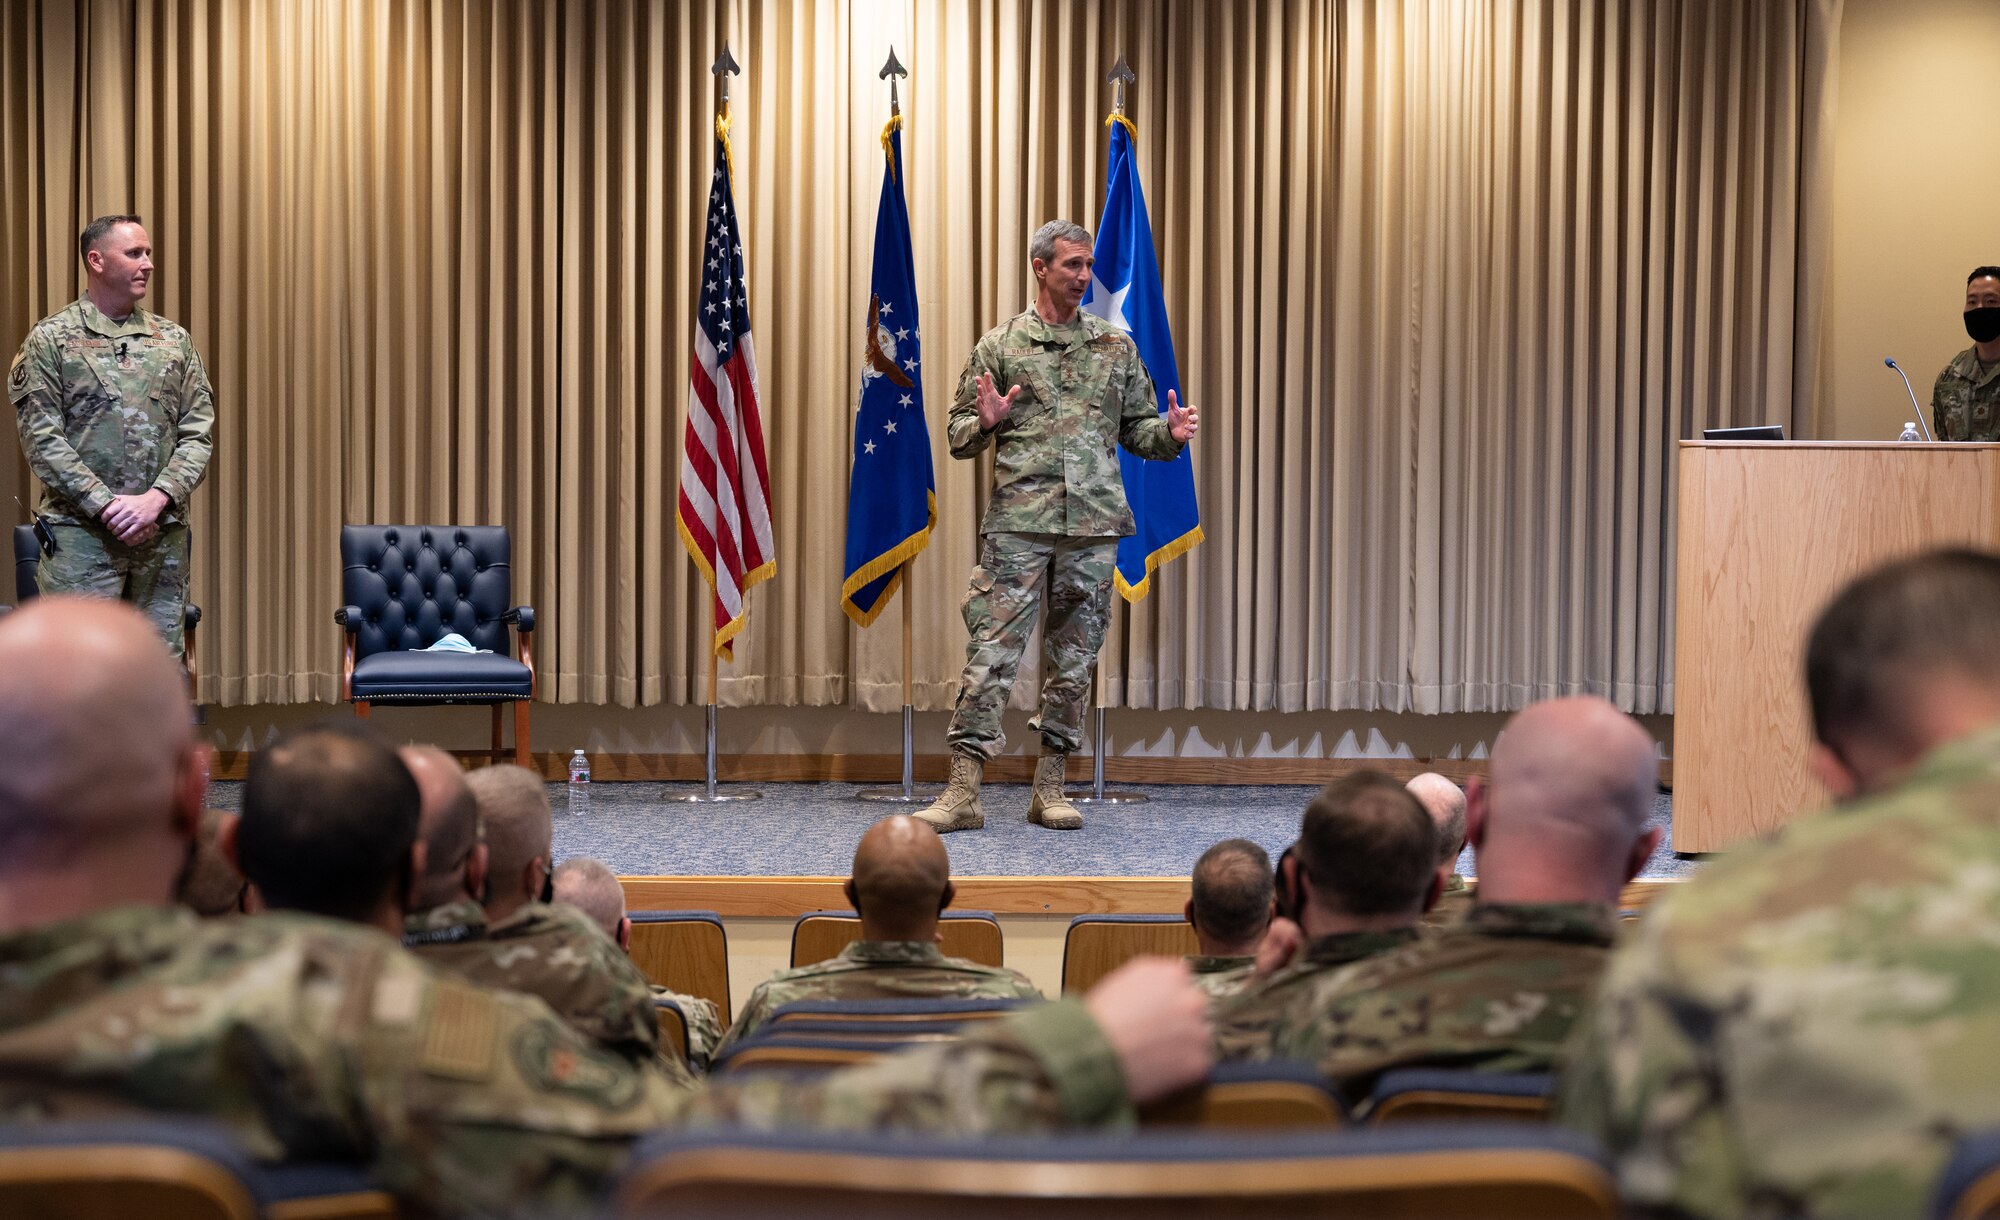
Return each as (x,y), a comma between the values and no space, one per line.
(891,500)
(1125,291)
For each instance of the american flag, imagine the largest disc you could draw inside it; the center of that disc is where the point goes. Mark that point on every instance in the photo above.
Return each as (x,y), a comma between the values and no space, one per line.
(725,510)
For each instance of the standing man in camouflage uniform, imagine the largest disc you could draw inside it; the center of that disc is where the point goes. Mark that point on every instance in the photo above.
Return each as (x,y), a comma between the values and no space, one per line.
(1807,1026)
(1230,905)
(1559,826)
(1054,391)
(901,883)
(1965,402)
(115,415)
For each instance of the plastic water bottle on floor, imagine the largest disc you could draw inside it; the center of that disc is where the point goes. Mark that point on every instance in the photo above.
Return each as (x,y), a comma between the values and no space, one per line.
(579,784)
(1910,432)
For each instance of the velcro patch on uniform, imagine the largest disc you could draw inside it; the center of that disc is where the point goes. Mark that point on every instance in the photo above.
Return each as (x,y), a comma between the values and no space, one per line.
(572,1070)
(17,376)
(82,343)
(460,1034)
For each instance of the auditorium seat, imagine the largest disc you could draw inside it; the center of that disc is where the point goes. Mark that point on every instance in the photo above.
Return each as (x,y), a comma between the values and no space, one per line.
(168,1168)
(1273,1094)
(684,951)
(1098,944)
(1425,1094)
(892,1013)
(404,587)
(763,1052)
(972,935)
(673,1026)
(1448,1170)
(27,567)
(1969,1187)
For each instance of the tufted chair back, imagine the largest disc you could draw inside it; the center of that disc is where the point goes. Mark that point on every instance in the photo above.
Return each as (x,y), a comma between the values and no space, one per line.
(415,583)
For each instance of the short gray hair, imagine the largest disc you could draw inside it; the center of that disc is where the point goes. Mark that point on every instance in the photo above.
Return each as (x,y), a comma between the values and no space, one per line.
(1043,244)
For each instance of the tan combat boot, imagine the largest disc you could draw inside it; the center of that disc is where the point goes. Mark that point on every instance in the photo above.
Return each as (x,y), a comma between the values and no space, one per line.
(1049,807)
(957,807)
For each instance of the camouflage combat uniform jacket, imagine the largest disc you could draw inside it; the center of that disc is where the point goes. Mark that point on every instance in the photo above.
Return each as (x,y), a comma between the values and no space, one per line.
(1221,976)
(704,1024)
(554,953)
(1808,1024)
(325,1041)
(878,970)
(1244,1025)
(111,408)
(1084,392)
(1497,992)
(1965,402)
(1452,906)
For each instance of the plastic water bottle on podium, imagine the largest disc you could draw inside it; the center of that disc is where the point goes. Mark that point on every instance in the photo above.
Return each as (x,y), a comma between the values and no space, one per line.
(1910,432)
(579,784)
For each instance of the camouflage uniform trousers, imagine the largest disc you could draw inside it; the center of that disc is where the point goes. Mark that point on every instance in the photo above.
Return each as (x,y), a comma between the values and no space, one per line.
(1001,605)
(89,560)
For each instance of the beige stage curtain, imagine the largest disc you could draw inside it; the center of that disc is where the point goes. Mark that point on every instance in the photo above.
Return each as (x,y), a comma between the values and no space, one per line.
(1448,280)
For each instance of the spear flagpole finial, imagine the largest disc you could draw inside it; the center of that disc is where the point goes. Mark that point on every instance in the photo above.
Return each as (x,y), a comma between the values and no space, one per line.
(891,70)
(1120,76)
(725,66)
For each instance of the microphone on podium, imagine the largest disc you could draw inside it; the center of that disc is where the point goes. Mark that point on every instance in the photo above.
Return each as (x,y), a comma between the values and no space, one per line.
(1921,421)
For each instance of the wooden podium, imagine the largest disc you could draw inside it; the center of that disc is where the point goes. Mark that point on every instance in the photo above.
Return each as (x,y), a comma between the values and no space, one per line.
(1768,531)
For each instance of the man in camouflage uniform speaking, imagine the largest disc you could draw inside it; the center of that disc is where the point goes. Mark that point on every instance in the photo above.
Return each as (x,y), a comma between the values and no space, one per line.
(1054,391)
(1808,1025)
(1965,402)
(115,416)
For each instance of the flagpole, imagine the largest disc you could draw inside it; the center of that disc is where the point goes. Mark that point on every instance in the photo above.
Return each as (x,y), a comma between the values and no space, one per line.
(1100,741)
(907,794)
(724,66)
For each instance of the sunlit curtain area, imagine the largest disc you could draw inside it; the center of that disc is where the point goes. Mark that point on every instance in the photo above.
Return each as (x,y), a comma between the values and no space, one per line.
(1448,280)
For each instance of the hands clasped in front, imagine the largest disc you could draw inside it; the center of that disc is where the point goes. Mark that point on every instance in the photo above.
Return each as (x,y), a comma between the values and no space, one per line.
(134,520)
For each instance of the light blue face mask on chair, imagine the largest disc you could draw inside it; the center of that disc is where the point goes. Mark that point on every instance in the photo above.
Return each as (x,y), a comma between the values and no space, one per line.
(452,641)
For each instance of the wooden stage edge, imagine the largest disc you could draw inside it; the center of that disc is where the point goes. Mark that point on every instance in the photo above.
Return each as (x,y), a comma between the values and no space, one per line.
(790,897)
(932,768)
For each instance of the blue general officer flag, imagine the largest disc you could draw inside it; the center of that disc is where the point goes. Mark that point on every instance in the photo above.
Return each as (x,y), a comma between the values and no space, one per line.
(892,492)
(1125,291)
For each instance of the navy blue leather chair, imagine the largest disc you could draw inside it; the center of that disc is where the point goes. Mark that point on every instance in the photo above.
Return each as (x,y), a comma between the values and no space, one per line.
(27,565)
(404,588)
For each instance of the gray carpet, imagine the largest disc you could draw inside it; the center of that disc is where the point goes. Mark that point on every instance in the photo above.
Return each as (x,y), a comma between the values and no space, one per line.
(811,829)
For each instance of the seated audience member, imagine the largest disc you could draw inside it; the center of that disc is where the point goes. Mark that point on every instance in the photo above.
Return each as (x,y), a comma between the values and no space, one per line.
(1355,884)
(315,1039)
(901,883)
(591,888)
(1558,827)
(1806,1026)
(552,953)
(1445,802)
(1229,906)
(210,884)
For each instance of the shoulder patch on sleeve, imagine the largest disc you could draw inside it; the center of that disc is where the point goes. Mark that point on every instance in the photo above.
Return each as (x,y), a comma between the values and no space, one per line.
(573,1070)
(460,1033)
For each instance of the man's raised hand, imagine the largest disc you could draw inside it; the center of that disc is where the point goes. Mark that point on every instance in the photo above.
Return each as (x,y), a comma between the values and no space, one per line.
(1182,422)
(993,407)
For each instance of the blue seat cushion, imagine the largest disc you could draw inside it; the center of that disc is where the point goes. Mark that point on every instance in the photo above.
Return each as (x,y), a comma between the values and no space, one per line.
(441,677)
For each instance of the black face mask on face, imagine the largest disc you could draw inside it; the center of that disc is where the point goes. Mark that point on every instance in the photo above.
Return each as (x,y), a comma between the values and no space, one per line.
(548,886)
(1983,324)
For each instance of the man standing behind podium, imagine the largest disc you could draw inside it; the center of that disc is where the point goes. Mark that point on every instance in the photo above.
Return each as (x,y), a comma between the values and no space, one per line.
(115,414)
(1055,391)
(1965,404)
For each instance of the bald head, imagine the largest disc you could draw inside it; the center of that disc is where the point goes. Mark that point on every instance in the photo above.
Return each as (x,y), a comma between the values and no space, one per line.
(448,827)
(96,738)
(901,881)
(587,885)
(514,807)
(1563,811)
(1445,802)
